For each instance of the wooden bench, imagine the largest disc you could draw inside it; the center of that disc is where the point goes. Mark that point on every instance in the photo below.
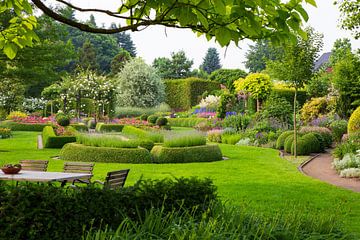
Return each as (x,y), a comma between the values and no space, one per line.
(34,165)
(115,179)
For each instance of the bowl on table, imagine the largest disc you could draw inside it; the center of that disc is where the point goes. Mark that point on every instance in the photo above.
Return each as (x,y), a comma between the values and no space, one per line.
(11,169)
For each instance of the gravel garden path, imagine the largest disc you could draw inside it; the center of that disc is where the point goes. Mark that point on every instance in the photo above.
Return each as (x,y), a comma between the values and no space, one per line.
(320,168)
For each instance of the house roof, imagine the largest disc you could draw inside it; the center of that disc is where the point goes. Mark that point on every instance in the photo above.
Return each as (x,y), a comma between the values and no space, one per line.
(322,60)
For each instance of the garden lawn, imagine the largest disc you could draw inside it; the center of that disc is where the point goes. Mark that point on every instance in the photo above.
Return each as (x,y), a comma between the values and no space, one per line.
(255,177)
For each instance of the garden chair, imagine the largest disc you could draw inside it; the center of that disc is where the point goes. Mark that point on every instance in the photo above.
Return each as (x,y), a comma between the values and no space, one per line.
(79,167)
(115,179)
(34,165)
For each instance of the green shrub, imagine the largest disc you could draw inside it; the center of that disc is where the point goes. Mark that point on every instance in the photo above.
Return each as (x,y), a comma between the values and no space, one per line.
(344,148)
(321,141)
(82,153)
(227,77)
(323,131)
(185,141)
(281,139)
(230,139)
(313,143)
(144,117)
(239,122)
(303,147)
(161,121)
(42,212)
(338,129)
(182,94)
(15,126)
(63,120)
(50,140)
(140,133)
(288,94)
(5,133)
(80,127)
(123,112)
(288,143)
(152,119)
(354,122)
(109,127)
(205,153)
(186,122)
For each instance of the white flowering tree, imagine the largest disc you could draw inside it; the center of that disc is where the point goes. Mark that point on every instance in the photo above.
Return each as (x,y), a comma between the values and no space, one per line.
(34,104)
(138,85)
(11,94)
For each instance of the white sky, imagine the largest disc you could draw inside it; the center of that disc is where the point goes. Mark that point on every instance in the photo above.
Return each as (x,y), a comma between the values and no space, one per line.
(156,42)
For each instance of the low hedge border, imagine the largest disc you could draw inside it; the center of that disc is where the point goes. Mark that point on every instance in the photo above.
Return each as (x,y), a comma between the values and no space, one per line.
(185,122)
(206,153)
(102,127)
(29,127)
(80,127)
(82,153)
(50,140)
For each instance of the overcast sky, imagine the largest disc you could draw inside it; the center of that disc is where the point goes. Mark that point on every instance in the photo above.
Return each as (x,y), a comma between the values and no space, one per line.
(157,41)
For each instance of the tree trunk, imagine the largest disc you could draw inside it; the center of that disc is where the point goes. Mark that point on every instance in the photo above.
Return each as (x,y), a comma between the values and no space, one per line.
(257,105)
(295,132)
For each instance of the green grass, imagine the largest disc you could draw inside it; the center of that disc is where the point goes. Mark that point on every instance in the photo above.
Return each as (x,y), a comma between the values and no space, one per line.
(256,177)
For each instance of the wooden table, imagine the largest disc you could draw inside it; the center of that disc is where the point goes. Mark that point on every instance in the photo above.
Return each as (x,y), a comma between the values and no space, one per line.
(36,176)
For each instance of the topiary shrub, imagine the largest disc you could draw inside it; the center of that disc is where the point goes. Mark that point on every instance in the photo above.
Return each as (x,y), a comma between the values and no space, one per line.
(63,120)
(206,153)
(50,140)
(354,122)
(161,121)
(109,127)
(303,147)
(321,141)
(313,143)
(323,131)
(152,119)
(144,117)
(281,139)
(338,129)
(82,153)
(288,143)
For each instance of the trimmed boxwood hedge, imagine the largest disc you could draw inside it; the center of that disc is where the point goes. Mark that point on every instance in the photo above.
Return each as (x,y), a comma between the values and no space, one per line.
(288,142)
(313,142)
(15,126)
(184,93)
(206,153)
(79,127)
(303,147)
(281,139)
(185,122)
(50,140)
(102,127)
(82,153)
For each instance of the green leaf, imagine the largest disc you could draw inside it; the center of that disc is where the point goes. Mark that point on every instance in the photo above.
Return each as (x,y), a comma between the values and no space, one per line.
(312,2)
(202,18)
(303,13)
(223,36)
(220,7)
(10,50)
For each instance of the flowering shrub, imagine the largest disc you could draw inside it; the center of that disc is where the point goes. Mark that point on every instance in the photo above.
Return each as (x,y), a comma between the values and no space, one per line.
(350,160)
(5,132)
(315,108)
(16,115)
(350,173)
(214,135)
(34,104)
(63,131)
(211,102)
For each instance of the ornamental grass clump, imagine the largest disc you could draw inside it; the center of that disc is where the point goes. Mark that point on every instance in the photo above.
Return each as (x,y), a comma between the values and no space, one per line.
(185,141)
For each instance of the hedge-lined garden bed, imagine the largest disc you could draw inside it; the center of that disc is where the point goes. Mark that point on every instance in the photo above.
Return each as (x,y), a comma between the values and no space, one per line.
(205,153)
(29,127)
(50,140)
(82,153)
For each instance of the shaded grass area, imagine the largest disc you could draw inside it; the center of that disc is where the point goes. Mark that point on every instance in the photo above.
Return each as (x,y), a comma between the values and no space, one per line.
(253,177)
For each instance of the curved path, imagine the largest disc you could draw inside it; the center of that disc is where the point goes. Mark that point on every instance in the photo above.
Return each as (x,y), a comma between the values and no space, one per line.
(320,168)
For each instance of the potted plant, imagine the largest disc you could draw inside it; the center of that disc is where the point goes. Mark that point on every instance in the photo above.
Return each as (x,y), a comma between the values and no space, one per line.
(11,169)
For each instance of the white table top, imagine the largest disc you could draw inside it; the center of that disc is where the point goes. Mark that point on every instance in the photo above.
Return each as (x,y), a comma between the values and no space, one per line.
(36,176)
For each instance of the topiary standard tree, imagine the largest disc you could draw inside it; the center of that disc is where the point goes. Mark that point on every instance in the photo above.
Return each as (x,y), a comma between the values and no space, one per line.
(223,20)
(211,61)
(139,85)
(296,66)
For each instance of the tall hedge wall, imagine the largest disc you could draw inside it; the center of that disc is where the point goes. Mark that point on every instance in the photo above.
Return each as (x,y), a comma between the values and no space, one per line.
(182,94)
(288,94)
